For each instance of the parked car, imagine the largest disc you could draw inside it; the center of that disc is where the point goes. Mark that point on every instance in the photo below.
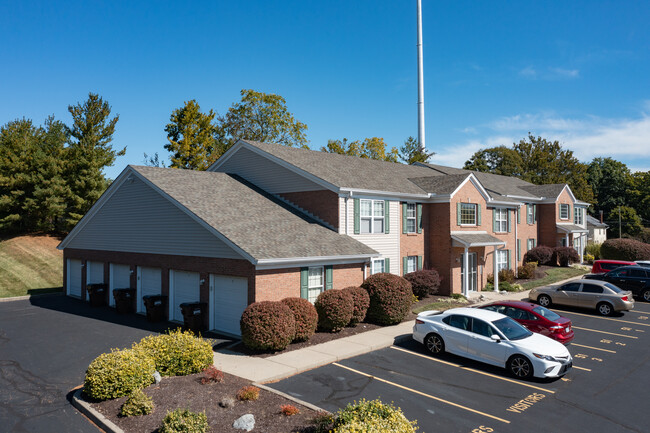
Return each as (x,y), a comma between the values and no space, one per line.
(645,263)
(601,295)
(536,318)
(493,338)
(633,278)
(604,265)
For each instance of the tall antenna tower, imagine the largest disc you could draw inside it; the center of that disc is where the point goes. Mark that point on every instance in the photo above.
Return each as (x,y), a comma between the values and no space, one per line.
(420,81)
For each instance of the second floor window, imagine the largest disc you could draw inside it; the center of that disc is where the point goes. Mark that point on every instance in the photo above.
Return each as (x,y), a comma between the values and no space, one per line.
(500,220)
(530,216)
(564,211)
(411,218)
(372,216)
(577,216)
(467,214)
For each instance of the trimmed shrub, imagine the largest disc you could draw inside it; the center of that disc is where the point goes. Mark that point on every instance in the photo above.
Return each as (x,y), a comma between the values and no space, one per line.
(361,301)
(248,393)
(390,298)
(137,404)
(267,325)
(335,309)
(212,375)
(527,270)
(289,410)
(510,287)
(624,249)
(184,421)
(118,373)
(507,275)
(177,353)
(540,254)
(589,259)
(593,249)
(372,416)
(489,287)
(424,282)
(564,256)
(305,315)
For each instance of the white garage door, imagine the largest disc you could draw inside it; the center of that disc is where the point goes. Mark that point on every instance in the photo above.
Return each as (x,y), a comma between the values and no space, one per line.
(228,300)
(183,287)
(120,278)
(74,278)
(149,283)
(94,273)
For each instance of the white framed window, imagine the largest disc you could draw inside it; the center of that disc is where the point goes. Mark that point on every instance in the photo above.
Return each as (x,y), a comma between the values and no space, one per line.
(378,265)
(564,211)
(315,283)
(500,220)
(578,216)
(530,216)
(372,216)
(531,244)
(467,214)
(502,259)
(411,218)
(411,264)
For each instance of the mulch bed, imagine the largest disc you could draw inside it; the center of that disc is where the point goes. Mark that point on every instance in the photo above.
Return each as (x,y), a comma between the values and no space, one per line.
(187,392)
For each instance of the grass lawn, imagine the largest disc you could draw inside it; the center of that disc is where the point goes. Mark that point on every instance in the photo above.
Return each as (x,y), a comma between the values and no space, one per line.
(30,265)
(440,305)
(553,275)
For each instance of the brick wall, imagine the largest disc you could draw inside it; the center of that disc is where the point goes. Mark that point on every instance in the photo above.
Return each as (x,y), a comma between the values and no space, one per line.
(324,204)
(414,244)
(546,228)
(347,275)
(439,243)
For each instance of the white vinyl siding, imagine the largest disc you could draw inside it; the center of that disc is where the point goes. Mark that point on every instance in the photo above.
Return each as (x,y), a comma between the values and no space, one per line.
(138,219)
(74,278)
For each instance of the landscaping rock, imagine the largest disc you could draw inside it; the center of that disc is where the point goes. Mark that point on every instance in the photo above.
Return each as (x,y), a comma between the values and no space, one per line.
(156,377)
(245,422)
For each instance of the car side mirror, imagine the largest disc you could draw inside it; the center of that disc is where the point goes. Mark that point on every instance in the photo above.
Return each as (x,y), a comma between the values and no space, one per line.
(496,338)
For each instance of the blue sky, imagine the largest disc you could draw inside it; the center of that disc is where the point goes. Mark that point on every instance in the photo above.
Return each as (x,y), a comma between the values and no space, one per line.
(574,71)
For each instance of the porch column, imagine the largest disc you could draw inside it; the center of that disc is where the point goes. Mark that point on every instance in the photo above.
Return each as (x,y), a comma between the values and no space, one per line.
(465,271)
(496,269)
(566,240)
(582,247)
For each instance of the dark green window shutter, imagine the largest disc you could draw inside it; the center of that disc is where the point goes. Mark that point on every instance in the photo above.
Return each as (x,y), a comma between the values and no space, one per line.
(494,220)
(534,242)
(458,213)
(559,210)
(386,264)
(478,214)
(357,220)
(518,250)
(518,215)
(404,205)
(304,283)
(509,220)
(534,213)
(405,264)
(509,267)
(420,263)
(419,219)
(529,220)
(329,277)
(386,217)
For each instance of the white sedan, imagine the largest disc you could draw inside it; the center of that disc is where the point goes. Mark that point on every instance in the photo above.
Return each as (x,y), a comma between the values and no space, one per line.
(493,338)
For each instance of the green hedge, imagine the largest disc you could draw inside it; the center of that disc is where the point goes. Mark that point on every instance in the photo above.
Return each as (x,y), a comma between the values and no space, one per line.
(118,373)
(372,417)
(178,353)
(624,249)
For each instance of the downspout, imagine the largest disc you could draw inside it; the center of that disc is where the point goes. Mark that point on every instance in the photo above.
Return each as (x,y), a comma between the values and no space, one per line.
(517,243)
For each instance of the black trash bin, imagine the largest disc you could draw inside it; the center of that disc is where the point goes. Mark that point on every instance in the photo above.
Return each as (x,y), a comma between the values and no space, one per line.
(156,306)
(97,294)
(124,300)
(193,315)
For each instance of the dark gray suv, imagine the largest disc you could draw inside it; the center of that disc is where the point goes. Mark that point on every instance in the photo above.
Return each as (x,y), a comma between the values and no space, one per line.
(633,278)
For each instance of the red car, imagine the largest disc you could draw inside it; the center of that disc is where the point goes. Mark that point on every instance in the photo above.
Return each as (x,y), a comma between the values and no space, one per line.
(605,265)
(536,318)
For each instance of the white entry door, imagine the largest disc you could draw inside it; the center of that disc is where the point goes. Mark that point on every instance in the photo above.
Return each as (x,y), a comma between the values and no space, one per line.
(228,300)
(73,286)
(149,283)
(183,287)
(120,278)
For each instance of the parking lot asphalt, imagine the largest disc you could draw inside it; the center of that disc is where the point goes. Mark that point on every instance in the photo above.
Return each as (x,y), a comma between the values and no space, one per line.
(46,344)
(606,391)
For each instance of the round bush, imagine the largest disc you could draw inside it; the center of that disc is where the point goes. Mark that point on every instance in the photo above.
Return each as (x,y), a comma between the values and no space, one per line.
(527,270)
(335,309)
(184,421)
(540,254)
(624,249)
(390,298)
(424,282)
(565,256)
(372,416)
(267,325)
(361,302)
(137,404)
(305,315)
(177,353)
(118,373)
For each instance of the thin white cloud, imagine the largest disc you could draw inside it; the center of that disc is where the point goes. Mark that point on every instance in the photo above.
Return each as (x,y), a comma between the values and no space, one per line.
(528,72)
(565,73)
(551,73)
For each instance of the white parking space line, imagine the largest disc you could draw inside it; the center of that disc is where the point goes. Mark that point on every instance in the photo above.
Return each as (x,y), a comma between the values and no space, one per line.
(608,333)
(422,393)
(604,318)
(594,348)
(472,370)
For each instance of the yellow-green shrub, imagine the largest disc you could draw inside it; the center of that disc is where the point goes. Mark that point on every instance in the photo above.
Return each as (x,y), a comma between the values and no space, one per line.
(372,417)
(137,404)
(118,373)
(178,353)
(184,421)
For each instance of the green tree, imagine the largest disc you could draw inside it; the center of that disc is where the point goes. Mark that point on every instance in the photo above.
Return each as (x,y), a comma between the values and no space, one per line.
(638,194)
(411,152)
(498,160)
(259,117)
(89,151)
(630,222)
(371,148)
(191,137)
(610,181)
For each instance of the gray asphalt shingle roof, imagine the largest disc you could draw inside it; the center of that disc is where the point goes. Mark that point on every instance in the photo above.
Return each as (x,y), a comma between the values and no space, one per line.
(548,191)
(255,221)
(476,239)
(595,222)
(440,184)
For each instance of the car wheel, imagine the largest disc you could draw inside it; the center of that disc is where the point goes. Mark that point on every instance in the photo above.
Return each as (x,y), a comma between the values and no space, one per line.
(604,309)
(520,367)
(544,301)
(434,344)
(646,295)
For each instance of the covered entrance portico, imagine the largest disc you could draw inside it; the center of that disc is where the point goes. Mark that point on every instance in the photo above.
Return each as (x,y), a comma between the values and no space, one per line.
(469,261)
(573,235)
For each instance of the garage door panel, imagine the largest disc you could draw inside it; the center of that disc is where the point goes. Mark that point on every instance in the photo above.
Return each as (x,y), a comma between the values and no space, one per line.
(74,278)
(185,287)
(120,278)
(149,283)
(229,300)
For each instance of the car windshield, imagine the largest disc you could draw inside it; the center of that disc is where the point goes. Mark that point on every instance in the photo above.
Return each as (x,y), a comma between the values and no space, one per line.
(511,329)
(545,312)
(613,287)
